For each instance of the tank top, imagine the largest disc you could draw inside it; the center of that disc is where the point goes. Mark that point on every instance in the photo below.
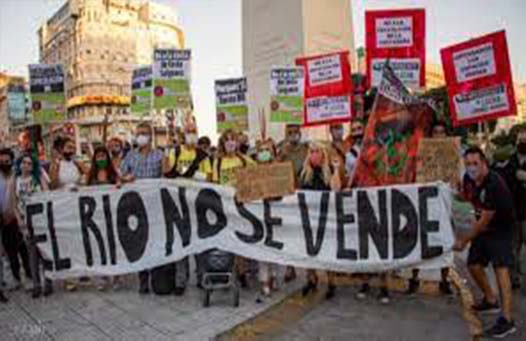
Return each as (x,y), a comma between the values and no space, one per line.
(68,174)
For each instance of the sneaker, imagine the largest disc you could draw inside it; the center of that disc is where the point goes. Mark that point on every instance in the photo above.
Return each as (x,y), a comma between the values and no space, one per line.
(48,287)
(383,297)
(308,288)
(364,291)
(3,299)
(143,290)
(445,288)
(484,307)
(70,285)
(37,292)
(501,329)
(413,287)
(331,291)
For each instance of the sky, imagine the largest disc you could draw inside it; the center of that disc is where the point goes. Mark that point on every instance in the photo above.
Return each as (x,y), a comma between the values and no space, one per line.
(213,32)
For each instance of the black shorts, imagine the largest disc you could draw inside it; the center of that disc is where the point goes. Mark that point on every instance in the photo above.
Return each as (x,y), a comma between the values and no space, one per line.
(485,250)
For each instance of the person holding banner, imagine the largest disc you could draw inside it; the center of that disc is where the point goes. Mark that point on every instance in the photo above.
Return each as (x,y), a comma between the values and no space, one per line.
(12,238)
(227,162)
(116,149)
(143,163)
(268,272)
(490,237)
(3,298)
(103,172)
(317,175)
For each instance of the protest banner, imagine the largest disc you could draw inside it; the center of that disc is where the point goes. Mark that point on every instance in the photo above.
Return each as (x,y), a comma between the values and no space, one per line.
(264,181)
(286,95)
(397,123)
(328,88)
(141,100)
(478,78)
(46,86)
(105,231)
(231,104)
(400,37)
(438,159)
(16,102)
(171,79)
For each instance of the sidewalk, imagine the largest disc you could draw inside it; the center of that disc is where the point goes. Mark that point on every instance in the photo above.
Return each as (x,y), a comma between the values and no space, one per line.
(125,315)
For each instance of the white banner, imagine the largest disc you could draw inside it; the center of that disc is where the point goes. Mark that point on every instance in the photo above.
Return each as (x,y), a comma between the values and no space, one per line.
(172,64)
(104,231)
(405,69)
(394,32)
(287,81)
(324,70)
(328,108)
(475,62)
(481,102)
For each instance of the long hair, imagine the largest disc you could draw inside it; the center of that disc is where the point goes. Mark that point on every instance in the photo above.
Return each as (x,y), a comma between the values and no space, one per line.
(268,142)
(93,172)
(307,172)
(35,171)
(221,145)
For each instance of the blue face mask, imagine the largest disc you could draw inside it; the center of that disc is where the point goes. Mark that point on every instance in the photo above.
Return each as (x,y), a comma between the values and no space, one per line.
(472,172)
(264,156)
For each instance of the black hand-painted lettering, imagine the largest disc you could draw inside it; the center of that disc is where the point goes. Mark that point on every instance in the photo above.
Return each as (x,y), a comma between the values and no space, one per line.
(87,206)
(406,237)
(60,263)
(133,241)
(368,225)
(270,222)
(341,220)
(313,246)
(174,216)
(209,200)
(426,225)
(109,229)
(257,225)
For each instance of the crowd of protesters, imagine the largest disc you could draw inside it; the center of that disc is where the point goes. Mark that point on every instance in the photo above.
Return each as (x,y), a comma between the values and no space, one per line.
(498,192)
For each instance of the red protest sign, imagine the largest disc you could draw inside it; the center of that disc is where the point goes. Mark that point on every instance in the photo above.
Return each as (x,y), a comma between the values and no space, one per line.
(328,88)
(400,36)
(478,78)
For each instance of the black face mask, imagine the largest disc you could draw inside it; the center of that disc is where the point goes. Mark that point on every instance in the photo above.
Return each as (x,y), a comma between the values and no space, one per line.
(521,148)
(116,152)
(68,156)
(243,148)
(357,137)
(6,167)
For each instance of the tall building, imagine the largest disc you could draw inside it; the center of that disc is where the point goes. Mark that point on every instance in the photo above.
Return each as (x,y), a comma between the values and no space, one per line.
(276,32)
(434,76)
(99,42)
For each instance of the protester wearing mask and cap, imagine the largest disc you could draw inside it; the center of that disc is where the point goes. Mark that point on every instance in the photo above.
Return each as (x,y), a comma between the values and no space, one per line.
(516,173)
(143,163)
(490,237)
(292,149)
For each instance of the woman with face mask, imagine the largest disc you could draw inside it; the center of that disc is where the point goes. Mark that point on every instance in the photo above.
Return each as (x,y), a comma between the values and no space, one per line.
(102,172)
(317,175)
(31,179)
(268,272)
(227,162)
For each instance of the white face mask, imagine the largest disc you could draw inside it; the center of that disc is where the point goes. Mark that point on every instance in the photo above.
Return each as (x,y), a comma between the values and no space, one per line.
(143,140)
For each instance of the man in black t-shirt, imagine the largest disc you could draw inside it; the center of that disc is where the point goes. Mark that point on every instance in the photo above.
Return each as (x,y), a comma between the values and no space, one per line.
(490,237)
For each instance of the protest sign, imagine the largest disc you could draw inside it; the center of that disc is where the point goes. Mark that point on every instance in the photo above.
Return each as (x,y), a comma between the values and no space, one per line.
(46,86)
(478,78)
(397,123)
(328,88)
(16,103)
(286,95)
(264,181)
(231,104)
(398,36)
(141,100)
(104,231)
(439,159)
(171,79)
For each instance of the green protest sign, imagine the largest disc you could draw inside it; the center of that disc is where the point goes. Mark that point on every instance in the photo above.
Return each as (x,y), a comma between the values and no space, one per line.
(171,79)
(141,99)
(46,86)
(231,104)
(286,95)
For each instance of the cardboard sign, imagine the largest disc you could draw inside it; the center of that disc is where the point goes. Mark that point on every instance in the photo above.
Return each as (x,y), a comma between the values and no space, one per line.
(264,181)
(479,81)
(46,85)
(327,83)
(397,36)
(231,104)
(141,100)
(439,159)
(171,78)
(286,95)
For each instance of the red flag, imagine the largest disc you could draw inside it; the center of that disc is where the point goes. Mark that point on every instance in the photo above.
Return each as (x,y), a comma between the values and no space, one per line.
(479,81)
(328,88)
(397,123)
(400,36)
